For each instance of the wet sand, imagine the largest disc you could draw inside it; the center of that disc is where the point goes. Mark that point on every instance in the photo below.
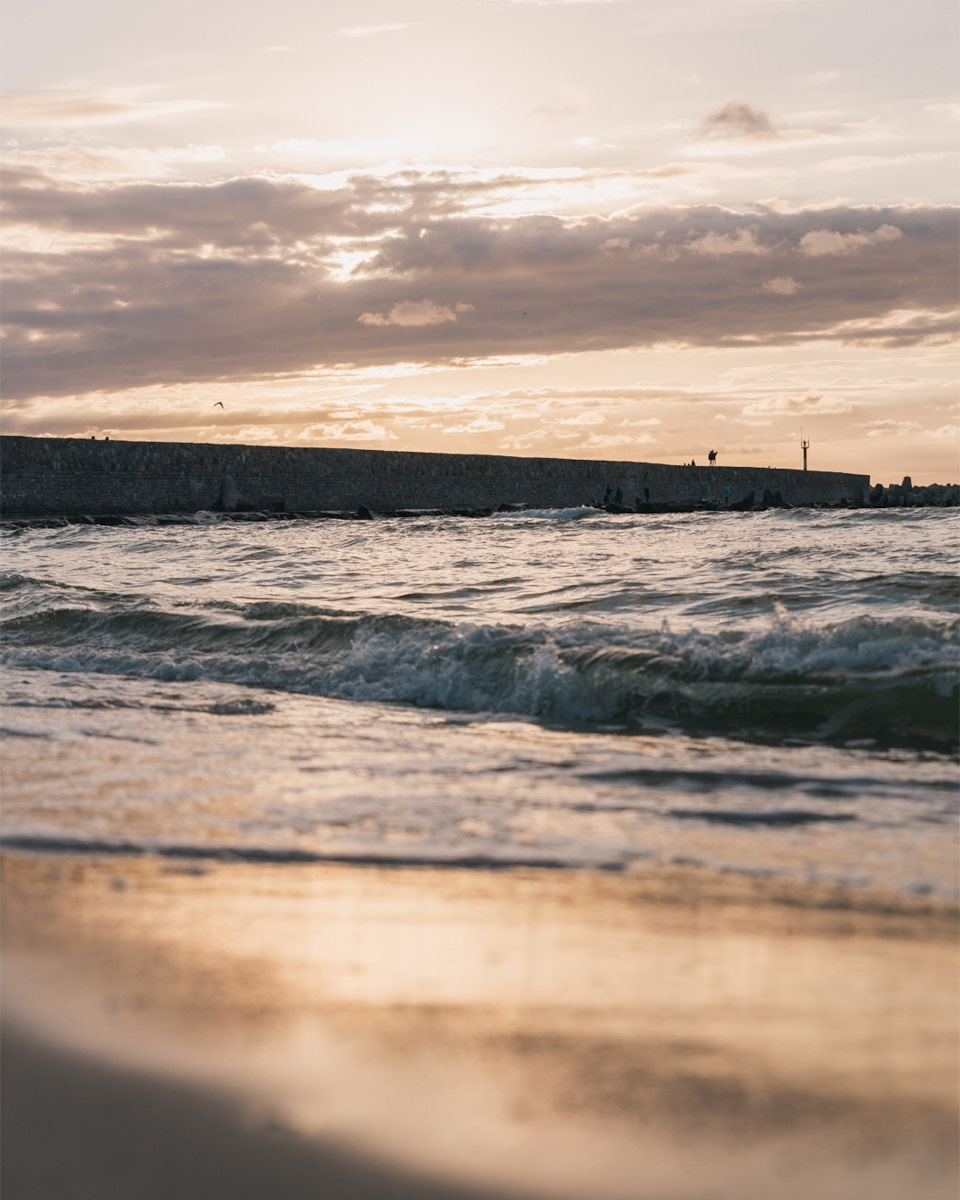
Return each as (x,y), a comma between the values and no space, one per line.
(200,1027)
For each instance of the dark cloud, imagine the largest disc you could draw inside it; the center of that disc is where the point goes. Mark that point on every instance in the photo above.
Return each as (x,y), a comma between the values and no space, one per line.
(152,283)
(737,119)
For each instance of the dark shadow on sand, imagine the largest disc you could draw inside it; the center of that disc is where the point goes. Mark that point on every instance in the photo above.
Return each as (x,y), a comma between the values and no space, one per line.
(77,1129)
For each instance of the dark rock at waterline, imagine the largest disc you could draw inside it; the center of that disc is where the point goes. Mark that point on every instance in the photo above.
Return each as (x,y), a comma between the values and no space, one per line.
(268,508)
(39,523)
(905,495)
(664,506)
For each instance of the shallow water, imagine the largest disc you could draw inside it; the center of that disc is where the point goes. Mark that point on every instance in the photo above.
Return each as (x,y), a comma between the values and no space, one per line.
(770,692)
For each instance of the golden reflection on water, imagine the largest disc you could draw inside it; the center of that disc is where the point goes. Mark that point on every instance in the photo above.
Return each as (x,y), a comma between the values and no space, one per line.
(500,1025)
(310,777)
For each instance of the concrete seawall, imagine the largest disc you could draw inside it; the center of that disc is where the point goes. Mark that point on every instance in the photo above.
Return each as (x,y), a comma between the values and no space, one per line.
(72,476)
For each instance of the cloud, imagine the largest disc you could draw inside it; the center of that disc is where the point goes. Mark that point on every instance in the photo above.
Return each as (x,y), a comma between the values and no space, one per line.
(866,162)
(605,441)
(828,241)
(39,110)
(889,428)
(257,433)
(414,313)
(347,431)
(128,285)
(783,285)
(477,425)
(738,119)
(584,418)
(359,31)
(568,104)
(744,241)
(810,403)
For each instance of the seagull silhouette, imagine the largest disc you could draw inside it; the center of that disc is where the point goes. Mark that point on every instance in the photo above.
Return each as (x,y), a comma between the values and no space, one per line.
(219,403)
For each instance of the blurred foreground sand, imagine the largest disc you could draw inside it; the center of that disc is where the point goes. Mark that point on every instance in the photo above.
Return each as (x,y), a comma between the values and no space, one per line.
(196,1028)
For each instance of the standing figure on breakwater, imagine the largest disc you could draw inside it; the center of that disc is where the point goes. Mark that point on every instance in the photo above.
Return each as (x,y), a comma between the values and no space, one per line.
(726,494)
(608,494)
(618,498)
(712,458)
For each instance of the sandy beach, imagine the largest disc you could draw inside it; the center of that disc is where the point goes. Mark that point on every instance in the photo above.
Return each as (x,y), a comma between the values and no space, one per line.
(80,1128)
(352,1031)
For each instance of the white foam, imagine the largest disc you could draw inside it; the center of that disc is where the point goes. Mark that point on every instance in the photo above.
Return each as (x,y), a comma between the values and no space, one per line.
(551,514)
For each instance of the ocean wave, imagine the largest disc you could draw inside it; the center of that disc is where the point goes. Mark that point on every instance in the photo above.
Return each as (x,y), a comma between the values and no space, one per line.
(889,682)
(550,514)
(778,818)
(506,857)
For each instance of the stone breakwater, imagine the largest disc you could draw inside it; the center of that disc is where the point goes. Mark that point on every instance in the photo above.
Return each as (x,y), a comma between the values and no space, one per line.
(907,495)
(76,478)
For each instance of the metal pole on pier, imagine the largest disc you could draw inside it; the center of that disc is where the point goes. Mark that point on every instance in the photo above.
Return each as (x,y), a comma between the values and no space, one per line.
(804,446)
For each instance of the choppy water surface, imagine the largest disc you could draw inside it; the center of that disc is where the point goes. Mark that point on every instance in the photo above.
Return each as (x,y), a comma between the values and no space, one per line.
(773,691)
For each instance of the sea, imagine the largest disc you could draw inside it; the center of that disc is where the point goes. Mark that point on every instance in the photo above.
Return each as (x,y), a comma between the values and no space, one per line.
(772,693)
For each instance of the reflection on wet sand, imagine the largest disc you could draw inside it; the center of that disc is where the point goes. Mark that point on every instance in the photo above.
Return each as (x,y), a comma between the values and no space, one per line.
(669,1034)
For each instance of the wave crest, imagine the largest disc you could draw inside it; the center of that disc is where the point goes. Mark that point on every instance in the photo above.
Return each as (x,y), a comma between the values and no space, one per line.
(890,682)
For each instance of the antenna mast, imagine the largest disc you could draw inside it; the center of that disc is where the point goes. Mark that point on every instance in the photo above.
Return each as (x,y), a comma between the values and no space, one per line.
(804,446)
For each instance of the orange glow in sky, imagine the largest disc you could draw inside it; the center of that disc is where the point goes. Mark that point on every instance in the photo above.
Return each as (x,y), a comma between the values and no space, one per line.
(622,229)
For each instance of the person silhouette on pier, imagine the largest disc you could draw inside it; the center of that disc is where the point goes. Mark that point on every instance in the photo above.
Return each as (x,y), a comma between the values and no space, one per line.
(712,458)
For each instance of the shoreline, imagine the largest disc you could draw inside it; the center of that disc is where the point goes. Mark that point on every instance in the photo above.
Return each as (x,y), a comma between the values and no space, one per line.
(562,1034)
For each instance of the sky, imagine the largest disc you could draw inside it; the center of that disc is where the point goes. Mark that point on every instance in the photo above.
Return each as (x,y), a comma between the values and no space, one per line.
(614,229)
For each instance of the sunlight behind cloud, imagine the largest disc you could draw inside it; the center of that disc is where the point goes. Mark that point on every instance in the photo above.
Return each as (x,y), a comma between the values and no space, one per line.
(324,204)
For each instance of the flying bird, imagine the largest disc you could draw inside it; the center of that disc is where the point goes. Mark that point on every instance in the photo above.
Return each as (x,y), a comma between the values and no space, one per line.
(219,404)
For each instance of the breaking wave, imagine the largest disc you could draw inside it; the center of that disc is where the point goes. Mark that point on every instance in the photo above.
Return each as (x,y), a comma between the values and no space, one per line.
(887,682)
(551,514)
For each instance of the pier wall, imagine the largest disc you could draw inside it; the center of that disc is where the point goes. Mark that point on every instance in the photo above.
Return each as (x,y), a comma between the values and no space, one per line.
(72,476)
